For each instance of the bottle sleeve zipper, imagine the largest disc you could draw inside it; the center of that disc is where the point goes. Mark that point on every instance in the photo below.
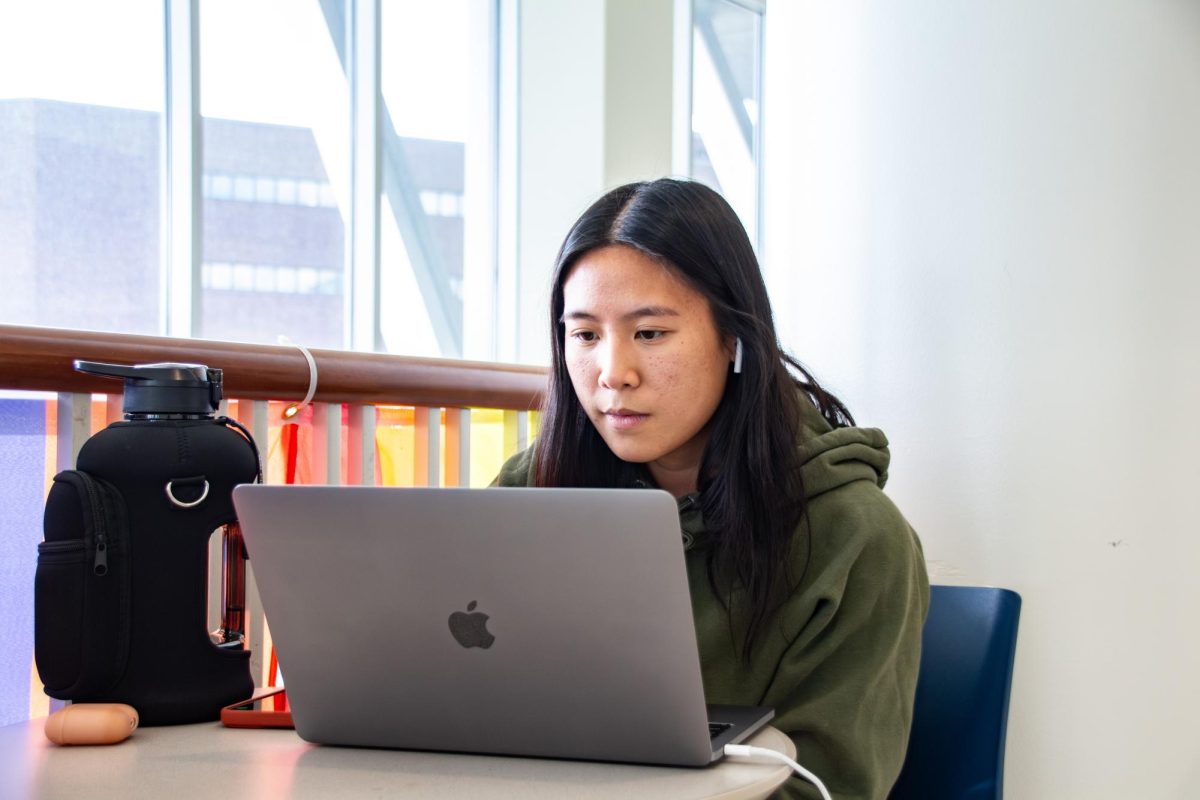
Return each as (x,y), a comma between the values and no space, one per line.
(68,552)
(100,565)
(100,562)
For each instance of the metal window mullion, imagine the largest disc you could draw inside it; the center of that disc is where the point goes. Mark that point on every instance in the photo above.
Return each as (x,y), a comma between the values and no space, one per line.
(506,311)
(759,63)
(481,237)
(182,149)
(363,73)
(681,105)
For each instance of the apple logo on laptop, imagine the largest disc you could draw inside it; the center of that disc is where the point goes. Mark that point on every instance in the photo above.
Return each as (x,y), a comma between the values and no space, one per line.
(470,630)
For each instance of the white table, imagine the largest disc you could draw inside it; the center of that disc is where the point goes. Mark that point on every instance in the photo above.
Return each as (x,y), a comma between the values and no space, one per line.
(209,760)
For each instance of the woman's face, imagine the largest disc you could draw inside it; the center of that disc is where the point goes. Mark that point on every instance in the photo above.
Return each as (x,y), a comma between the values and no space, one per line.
(645,357)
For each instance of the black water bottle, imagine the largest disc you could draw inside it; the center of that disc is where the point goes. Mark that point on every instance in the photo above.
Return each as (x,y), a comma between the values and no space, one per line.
(127,532)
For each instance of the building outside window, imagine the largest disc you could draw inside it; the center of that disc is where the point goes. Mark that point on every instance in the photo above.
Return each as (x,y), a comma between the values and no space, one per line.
(80,120)
(81,186)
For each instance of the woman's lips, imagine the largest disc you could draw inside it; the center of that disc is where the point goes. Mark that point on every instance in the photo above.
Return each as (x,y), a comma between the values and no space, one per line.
(625,420)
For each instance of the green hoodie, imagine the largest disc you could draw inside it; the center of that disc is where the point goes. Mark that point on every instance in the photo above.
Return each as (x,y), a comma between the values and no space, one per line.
(838,659)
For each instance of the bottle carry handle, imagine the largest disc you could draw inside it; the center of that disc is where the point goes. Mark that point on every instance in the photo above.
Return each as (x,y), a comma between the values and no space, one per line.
(230,422)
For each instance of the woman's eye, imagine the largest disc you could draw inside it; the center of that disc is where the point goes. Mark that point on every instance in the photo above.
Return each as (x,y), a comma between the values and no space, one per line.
(651,336)
(584,336)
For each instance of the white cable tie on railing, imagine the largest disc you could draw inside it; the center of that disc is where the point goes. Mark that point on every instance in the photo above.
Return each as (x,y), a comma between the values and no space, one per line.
(295,408)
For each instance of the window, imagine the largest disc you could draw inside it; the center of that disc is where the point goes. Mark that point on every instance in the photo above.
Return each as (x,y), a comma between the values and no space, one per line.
(264,190)
(437,81)
(243,188)
(83,193)
(286,192)
(726,97)
(222,187)
(80,118)
(274,102)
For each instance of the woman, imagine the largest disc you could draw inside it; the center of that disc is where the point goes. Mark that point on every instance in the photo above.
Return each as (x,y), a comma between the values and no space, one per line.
(808,587)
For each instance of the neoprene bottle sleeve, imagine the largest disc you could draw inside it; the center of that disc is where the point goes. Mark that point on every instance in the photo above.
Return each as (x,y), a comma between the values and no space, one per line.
(121,597)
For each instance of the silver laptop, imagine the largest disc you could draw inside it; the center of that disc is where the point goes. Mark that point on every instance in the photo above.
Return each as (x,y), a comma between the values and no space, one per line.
(534,622)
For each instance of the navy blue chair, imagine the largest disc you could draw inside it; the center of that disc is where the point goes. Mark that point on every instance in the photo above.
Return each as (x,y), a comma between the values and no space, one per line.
(956,749)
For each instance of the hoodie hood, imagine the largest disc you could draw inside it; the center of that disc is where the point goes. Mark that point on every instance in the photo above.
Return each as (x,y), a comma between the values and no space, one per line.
(830,458)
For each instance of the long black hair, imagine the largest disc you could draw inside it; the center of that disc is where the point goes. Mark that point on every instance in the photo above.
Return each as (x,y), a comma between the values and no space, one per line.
(751,494)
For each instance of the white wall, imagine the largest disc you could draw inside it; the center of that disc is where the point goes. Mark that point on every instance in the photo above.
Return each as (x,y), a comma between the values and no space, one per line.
(594,113)
(983,230)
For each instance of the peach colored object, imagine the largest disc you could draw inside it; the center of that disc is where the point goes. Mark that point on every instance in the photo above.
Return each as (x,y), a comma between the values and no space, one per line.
(91,723)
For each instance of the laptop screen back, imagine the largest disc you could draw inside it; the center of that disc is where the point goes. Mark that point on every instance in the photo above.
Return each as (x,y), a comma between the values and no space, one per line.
(545,622)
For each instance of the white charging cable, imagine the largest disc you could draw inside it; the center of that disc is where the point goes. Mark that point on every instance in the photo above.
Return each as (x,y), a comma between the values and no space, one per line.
(763,752)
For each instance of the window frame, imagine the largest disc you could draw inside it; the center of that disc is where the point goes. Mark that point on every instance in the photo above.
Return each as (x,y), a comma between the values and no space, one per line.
(356,29)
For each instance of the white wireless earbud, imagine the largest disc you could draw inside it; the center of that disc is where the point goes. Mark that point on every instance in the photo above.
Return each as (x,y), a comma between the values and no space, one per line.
(737,356)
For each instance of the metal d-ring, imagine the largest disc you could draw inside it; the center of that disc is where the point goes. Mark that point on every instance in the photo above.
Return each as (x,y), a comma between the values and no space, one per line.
(171,496)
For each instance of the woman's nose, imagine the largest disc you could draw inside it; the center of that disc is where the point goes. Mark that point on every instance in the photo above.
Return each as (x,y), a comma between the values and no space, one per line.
(618,366)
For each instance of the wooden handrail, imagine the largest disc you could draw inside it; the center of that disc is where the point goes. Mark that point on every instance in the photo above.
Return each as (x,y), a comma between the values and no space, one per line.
(40,359)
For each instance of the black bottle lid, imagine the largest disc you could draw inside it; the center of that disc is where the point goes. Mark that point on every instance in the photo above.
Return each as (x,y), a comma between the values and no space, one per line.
(163,389)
